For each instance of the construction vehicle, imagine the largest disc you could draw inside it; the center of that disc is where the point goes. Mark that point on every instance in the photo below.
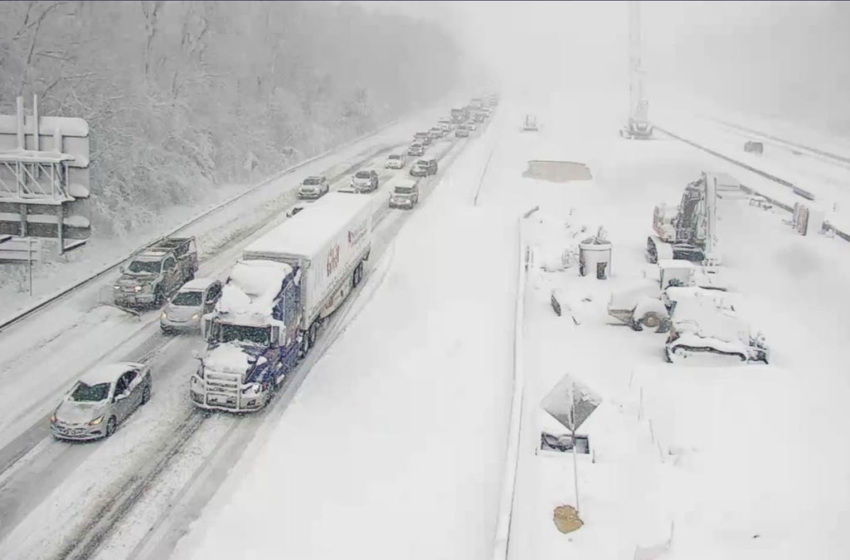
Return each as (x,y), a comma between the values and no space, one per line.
(638,125)
(687,231)
(700,327)
(650,304)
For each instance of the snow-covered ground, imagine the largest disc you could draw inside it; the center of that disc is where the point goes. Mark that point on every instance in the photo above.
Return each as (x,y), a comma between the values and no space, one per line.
(743,461)
(824,177)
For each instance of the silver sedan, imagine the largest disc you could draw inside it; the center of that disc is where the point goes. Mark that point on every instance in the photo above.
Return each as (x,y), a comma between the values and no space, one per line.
(103,398)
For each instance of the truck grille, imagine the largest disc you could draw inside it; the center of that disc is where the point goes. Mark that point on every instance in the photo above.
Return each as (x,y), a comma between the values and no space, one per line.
(222,389)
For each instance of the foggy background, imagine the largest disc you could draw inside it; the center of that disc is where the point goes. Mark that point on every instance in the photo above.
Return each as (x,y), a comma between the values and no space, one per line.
(778,59)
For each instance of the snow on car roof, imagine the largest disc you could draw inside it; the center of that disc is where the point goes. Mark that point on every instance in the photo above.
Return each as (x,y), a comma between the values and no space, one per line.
(253,288)
(107,373)
(199,284)
(307,232)
(152,255)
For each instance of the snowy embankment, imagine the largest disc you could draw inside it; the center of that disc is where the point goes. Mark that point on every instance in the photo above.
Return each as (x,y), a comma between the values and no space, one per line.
(744,462)
(394,445)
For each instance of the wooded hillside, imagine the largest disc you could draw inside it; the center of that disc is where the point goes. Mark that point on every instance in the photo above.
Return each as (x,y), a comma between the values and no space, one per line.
(178,94)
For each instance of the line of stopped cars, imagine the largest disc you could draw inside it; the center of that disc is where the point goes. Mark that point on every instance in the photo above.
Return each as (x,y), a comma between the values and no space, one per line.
(262,320)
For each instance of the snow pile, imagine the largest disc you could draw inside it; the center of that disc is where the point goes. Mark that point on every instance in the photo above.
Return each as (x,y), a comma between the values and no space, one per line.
(556,242)
(253,288)
(227,358)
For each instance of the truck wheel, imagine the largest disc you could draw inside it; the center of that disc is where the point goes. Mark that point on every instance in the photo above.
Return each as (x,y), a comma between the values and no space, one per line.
(312,334)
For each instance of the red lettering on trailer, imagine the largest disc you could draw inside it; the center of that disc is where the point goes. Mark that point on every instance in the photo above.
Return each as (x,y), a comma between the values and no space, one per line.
(333,260)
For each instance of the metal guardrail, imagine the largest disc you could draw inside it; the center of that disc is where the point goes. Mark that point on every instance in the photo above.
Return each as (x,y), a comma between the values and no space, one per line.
(794,189)
(64,292)
(817,151)
(501,544)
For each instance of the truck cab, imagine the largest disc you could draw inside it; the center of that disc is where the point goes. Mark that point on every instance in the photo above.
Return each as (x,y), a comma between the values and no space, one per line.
(251,338)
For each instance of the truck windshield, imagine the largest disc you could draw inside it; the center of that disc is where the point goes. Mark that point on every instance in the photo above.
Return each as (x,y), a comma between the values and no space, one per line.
(149,267)
(90,393)
(234,333)
(190,299)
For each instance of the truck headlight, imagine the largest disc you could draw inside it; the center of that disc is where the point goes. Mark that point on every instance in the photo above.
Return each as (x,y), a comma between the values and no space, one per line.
(256,388)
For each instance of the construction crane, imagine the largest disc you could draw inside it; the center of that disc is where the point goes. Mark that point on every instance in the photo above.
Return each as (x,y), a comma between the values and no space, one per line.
(687,231)
(638,125)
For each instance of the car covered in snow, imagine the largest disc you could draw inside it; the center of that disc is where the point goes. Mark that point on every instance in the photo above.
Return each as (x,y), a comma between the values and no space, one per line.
(103,398)
(395,161)
(313,187)
(195,299)
(405,194)
(424,167)
(365,180)
(416,150)
(446,125)
(423,138)
(462,132)
(436,133)
(470,126)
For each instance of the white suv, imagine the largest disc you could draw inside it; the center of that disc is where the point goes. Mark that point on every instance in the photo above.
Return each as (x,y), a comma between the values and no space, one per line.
(395,161)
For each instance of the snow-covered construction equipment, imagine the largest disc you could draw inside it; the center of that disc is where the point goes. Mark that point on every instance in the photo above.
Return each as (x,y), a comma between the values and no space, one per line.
(687,231)
(638,125)
(650,304)
(276,299)
(699,326)
(530,123)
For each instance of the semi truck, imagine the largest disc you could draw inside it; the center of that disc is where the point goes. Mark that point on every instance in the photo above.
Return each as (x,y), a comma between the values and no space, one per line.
(276,299)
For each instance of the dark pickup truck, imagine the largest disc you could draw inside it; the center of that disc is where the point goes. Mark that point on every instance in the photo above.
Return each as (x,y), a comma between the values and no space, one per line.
(156,273)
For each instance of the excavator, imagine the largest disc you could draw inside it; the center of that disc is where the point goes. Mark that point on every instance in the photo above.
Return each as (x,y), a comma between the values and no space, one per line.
(687,231)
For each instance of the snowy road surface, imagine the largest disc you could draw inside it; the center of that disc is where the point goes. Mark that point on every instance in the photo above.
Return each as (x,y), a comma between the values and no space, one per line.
(35,484)
(393,446)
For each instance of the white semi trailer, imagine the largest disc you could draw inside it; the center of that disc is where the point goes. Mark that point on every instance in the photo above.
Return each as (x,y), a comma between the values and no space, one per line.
(272,306)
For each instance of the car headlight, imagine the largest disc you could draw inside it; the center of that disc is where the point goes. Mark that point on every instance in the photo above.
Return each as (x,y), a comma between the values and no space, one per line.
(137,289)
(195,316)
(164,315)
(96,421)
(117,287)
(53,418)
